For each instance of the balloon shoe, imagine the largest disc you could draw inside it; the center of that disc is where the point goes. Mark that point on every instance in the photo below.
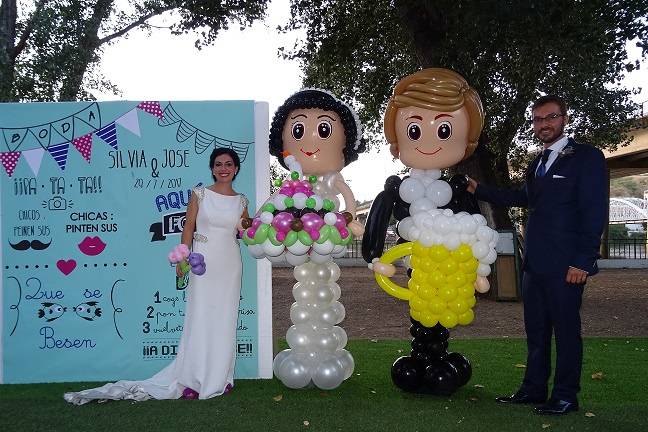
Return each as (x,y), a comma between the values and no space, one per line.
(228,389)
(430,369)
(189,393)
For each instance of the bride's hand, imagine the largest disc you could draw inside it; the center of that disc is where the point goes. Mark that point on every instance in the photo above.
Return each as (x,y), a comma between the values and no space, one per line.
(179,271)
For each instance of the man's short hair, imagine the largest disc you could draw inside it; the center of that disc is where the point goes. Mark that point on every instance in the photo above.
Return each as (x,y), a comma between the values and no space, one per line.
(551,99)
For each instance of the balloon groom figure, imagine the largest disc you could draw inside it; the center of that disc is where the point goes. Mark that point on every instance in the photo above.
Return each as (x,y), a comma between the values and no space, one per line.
(314,135)
(432,122)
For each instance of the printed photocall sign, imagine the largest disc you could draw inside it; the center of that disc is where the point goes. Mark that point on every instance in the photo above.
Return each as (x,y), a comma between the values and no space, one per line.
(94,197)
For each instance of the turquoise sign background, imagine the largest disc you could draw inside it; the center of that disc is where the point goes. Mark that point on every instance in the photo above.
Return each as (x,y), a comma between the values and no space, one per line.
(93,199)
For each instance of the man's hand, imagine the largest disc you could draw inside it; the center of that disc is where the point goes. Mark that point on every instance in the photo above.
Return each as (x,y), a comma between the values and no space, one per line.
(576,276)
(472,185)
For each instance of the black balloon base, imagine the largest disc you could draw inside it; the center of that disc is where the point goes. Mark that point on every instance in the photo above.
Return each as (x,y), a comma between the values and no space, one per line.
(430,368)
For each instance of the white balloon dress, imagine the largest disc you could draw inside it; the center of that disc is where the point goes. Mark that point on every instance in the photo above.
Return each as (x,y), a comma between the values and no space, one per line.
(206,354)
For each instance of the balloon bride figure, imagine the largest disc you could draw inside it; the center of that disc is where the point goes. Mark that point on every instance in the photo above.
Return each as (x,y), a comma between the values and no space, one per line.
(314,135)
(432,122)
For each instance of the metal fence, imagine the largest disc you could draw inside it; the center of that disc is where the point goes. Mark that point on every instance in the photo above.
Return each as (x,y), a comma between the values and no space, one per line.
(354,249)
(626,248)
(617,248)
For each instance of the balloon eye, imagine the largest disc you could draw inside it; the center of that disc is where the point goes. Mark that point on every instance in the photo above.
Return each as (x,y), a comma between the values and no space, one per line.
(324,129)
(298,130)
(444,131)
(414,131)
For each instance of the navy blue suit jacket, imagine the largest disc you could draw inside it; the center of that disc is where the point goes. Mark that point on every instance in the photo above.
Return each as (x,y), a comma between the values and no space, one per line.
(568,210)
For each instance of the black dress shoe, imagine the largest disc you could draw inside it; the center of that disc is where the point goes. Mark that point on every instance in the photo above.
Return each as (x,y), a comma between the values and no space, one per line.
(521,397)
(556,407)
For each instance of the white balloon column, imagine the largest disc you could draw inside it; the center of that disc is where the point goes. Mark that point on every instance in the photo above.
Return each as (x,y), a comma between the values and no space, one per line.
(316,352)
(305,228)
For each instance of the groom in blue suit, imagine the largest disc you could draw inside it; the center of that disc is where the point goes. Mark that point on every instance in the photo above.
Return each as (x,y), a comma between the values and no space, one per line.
(566,193)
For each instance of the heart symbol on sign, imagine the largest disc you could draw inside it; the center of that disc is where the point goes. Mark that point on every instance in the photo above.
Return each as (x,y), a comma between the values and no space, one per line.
(66,267)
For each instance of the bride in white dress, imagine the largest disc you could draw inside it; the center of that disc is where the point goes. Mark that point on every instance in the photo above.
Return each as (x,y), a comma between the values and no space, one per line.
(204,366)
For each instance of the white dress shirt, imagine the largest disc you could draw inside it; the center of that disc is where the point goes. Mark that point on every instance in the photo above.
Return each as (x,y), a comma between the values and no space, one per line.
(555,148)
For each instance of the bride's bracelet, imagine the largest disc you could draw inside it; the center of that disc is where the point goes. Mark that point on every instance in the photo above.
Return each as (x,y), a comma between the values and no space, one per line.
(200,237)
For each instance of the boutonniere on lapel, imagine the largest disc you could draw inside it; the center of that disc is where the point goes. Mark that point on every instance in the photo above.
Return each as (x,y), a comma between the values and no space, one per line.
(567,151)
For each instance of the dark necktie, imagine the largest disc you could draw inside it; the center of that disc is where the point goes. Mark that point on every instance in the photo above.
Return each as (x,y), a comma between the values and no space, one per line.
(542,169)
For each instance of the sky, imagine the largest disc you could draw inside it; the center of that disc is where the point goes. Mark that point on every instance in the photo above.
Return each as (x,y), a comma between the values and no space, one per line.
(242,65)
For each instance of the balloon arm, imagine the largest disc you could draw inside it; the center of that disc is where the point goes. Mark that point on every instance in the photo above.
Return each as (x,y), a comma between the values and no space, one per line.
(347,194)
(401,209)
(387,284)
(356,228)
(396,252)
(380,213)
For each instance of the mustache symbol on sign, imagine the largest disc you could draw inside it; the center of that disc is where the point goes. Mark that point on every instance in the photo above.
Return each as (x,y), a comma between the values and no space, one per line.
(26,244)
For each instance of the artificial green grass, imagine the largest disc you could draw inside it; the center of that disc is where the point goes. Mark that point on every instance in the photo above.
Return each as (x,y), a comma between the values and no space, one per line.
(367,401)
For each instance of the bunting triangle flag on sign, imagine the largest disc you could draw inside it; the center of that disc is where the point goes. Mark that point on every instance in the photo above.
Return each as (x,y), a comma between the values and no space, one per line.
(64,127)
(60,152)
(43,134)
(84,145)
(9,161)
(34,157)
(130,122)
(185,131)
(91,116)
(108,133)
(151,107)
(14,137)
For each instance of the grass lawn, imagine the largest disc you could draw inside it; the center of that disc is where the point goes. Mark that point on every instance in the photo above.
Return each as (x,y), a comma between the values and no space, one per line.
(367,401)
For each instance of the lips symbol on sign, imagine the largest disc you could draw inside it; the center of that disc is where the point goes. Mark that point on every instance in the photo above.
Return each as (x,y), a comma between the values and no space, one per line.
(92,246)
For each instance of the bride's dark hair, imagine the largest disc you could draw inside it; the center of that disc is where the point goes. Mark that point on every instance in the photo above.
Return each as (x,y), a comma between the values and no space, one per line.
(221,151)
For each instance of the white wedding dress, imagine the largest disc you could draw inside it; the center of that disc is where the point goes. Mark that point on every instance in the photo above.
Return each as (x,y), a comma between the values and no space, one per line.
(206,354)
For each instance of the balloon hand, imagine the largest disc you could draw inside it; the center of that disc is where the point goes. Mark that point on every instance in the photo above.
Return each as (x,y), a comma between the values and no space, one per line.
(356,228)
(244,223)
(481,284)
(382,268)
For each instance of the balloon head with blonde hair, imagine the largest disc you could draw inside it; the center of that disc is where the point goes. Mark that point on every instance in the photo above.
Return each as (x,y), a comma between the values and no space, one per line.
(433,120)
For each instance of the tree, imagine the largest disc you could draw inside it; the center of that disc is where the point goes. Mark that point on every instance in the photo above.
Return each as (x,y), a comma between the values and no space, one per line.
(618,231)
(631,186)
(50,50)
(510,51)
